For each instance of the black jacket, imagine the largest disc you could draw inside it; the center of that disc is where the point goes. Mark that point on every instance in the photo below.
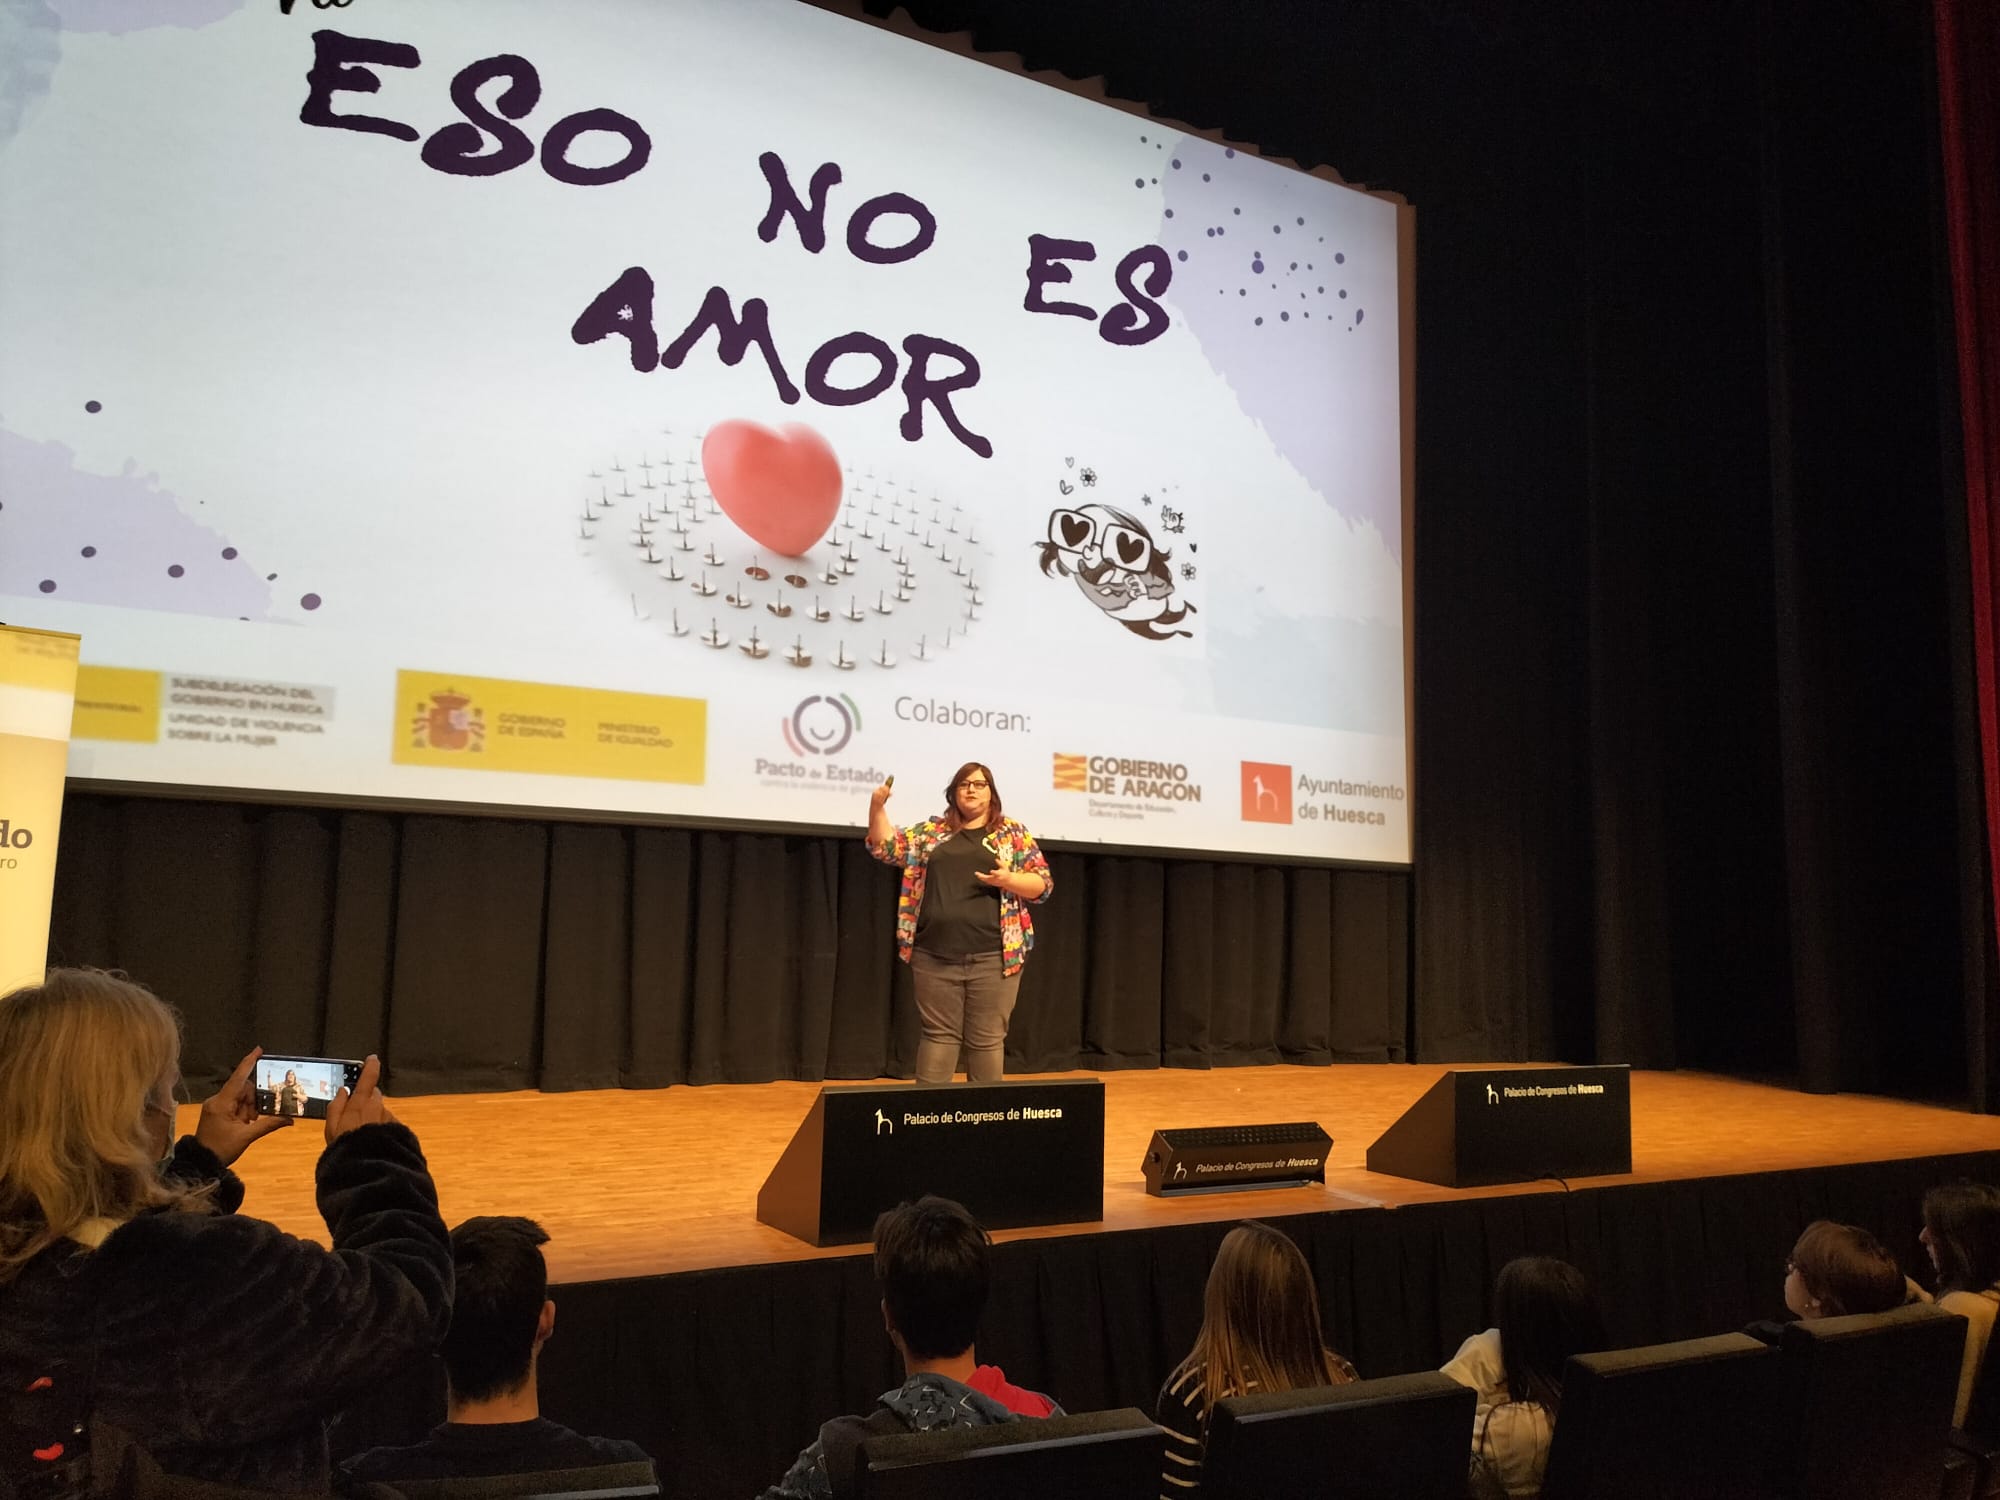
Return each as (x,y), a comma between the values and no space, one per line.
(221,1344)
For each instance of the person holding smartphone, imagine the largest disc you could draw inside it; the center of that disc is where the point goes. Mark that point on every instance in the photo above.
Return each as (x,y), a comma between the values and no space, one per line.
(962,922)
(132,1293)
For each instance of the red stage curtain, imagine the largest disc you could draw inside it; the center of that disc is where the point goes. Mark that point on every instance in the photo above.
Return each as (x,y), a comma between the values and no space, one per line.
(1968,43)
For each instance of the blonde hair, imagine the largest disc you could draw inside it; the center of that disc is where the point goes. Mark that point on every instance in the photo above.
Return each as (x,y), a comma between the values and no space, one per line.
(80,1056)
(1260,1328)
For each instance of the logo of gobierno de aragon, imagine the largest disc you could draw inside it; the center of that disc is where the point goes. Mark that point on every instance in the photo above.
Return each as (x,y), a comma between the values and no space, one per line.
(822,724)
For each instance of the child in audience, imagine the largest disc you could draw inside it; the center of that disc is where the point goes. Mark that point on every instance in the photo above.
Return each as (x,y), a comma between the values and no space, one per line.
(1840,1269)
(1962,1234)
(1260,1331)
(931,1258)
(1545,1313)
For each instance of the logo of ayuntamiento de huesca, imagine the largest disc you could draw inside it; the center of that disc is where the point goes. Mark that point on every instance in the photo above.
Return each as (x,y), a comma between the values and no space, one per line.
(1267,792)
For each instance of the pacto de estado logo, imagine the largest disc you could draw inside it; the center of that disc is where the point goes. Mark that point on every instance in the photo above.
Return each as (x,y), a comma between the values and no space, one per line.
(822,724)
(1267,792)
(449,721)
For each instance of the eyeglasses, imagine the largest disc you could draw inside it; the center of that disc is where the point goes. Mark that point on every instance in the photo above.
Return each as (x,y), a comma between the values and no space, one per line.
(974,786)
(1121,546)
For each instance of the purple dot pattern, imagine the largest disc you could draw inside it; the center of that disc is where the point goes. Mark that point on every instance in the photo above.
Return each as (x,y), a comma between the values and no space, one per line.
(1254,340)
(93,407)
(118,539)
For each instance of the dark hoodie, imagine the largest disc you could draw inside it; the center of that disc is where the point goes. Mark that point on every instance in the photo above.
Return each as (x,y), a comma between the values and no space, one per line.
(219,1344)
(923,1403)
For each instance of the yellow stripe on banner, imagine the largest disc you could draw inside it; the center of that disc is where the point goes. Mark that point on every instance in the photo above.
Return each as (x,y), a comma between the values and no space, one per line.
(495,724)
(116,703)
(44,659)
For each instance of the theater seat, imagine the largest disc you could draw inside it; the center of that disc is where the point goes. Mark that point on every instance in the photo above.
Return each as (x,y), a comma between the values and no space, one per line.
(1101,1455)
(1685,1421)
(1868,1404)
(627,1481)
(1978,1442)
(1406,1437)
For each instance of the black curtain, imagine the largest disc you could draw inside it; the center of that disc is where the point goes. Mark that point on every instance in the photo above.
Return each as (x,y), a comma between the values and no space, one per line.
(1692,700)
(1693,738)
(492,953)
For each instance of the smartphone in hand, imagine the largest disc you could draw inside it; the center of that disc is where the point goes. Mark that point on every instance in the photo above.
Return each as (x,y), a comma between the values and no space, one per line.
(302,1087)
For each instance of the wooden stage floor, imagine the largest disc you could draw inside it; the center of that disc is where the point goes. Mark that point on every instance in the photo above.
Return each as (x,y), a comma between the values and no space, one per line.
(635,1183)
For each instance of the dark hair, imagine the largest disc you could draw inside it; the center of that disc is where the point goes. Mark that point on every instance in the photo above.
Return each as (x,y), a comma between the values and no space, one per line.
(1964,1221)
(992,792)
(931,1258)
(501,1284)
(1845,1269)
(1546,1313)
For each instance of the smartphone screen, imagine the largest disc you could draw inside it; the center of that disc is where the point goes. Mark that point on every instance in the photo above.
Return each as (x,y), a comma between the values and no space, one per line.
(302,1086)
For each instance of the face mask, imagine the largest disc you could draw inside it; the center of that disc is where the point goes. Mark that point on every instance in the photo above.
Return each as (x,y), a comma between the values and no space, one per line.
(153,1108)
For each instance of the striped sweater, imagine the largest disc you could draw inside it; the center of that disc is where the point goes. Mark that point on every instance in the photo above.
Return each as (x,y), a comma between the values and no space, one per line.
(1179,1411)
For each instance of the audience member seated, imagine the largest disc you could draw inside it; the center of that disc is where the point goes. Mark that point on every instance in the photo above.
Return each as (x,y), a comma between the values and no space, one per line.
(1962,1234)
(216,1343)
(1545,1313)
(1260,1331)
(1836,1270)
(931,1258)
(501,1316)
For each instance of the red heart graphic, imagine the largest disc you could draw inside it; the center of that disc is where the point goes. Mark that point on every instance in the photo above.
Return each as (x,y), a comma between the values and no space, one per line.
(782,488)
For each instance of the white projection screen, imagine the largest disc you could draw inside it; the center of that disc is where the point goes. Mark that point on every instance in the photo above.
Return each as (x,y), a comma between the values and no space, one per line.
(692,410)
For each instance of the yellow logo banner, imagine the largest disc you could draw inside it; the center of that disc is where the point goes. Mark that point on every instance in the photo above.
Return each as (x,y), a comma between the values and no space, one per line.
(495,724)
(37,685)
(117,703)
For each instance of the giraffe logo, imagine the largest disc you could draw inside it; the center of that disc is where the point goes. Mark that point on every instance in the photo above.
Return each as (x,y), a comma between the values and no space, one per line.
(1267,792)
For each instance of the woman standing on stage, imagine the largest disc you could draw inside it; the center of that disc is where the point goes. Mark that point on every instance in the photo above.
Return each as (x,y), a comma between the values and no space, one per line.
(962,922)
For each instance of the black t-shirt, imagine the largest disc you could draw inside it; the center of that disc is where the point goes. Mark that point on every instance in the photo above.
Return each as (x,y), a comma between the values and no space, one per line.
(959,916)
(476,1450)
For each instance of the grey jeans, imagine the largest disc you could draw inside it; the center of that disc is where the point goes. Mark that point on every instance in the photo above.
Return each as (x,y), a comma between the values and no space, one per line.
(962,1001)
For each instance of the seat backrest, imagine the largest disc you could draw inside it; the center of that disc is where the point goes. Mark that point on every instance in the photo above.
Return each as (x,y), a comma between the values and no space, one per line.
(1982,1415)
(622,1481)
(1683,1421)
(1868,1402)
(1406,1437)
(1100,1455)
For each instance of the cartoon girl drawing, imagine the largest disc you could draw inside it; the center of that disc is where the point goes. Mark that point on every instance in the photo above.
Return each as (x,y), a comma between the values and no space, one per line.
(1117,567)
